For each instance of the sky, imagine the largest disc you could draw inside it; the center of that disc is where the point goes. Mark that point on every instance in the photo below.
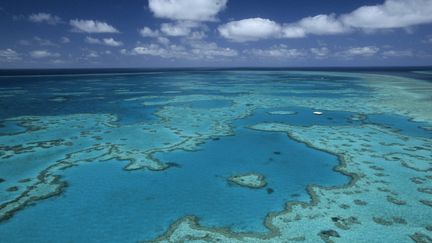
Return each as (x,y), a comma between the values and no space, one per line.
(214,33)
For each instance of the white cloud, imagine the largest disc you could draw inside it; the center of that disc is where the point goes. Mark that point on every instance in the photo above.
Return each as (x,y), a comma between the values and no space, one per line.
(43,54)
(163,40)
(211,50)
(322,25)
(92,26)
(151,50)
(365,51)
(180,28)
(147,32)
(192,51)
(278,51)
(391,14)
(293,31)
(174,30)
(9,55)
(397,53)
(197,35)
(105,41)
(92,54)
(45,18)
(112,42)
(250,29)
(257,28)
(194,10)
(321,52)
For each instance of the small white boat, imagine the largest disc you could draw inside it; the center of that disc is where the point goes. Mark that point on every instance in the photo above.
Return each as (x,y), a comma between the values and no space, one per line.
(318,113)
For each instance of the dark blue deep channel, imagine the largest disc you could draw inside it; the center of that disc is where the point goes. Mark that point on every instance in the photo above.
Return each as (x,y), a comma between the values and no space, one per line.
(105,203)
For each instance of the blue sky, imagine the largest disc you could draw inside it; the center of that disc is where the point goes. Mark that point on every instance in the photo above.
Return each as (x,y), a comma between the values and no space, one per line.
(214,33)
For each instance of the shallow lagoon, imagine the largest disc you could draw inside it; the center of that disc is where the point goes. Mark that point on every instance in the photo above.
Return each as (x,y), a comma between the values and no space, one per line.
(210,113)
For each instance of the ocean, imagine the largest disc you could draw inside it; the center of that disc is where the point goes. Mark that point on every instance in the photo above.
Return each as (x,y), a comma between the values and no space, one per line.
(126,155)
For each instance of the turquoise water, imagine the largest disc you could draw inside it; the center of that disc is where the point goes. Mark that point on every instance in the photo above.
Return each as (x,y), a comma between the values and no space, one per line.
(157,115)
(140,205)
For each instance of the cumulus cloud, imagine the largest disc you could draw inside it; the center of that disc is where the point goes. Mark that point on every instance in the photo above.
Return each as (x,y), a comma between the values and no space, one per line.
(147,32)
(180,28)
(250,29)
(163,40)
(197,35)
(92,54)
(45,18)
(112,42)
(211,50)
(157,50)
(104,41)
(254,29)
(321,25)
(364,51)
(391,14)
(187,18)
(191,51)
(277,51)
(293,31)
(194,10)
(9,55)
(91,26)
(43,54)
(174,30)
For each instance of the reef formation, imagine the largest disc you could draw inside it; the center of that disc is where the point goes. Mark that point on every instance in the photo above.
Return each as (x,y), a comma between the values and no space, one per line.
(386,200)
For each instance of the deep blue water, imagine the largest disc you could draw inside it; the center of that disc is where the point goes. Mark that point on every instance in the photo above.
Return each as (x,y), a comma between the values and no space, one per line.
(401,124)
(305,117)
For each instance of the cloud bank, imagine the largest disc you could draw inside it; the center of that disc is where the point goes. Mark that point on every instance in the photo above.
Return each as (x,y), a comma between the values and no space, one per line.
(91,26)
(390,14)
